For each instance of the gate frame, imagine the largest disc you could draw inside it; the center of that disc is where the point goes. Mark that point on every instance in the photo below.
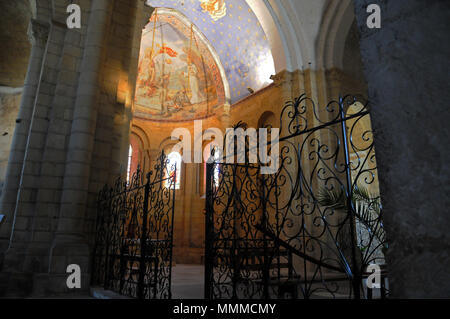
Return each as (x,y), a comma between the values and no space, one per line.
(356,271)
(111,224)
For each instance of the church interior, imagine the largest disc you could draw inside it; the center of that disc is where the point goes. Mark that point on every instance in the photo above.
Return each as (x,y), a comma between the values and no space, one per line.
(92,175)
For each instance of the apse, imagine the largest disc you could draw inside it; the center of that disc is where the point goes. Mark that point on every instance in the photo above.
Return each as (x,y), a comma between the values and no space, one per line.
(180,77)
(236,36)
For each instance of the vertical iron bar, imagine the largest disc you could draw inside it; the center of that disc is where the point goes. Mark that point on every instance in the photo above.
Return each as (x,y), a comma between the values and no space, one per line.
(277,221)
(235,251)
(305,287)
(173,184)
(122,240)
(209,232)
(266,260)
(142,263)
(165,173)
(108,236)
(98,226)
(356,277)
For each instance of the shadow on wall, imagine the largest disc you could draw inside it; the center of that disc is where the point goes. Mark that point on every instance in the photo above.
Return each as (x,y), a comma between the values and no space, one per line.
(9,107)
(15,17)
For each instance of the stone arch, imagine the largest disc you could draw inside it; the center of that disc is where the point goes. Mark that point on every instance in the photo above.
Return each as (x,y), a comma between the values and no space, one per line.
(216,139)
(273,32)
(266,118)
(144,146)
(336,23)
(268,121)
(140,133)
(287,39)
(166,145)
(200,167)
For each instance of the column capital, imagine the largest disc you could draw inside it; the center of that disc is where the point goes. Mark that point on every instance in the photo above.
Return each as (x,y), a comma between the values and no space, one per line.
(38,32)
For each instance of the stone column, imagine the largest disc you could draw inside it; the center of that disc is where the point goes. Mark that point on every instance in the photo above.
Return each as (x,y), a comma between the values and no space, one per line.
(406,66)
(70,244)
(38,33)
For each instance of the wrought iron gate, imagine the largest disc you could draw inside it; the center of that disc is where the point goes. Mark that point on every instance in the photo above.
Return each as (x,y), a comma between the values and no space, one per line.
(311,229)
(134,234)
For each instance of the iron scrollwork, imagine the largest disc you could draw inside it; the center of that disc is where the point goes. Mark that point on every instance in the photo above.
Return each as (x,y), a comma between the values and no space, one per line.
(311,229)
(134,235)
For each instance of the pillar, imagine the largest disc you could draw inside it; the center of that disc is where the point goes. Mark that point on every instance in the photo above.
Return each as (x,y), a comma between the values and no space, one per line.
(38,33)
(70,243)
(406,67)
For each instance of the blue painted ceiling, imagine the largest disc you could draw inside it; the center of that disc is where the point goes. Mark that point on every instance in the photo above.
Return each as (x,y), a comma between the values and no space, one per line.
(235,33)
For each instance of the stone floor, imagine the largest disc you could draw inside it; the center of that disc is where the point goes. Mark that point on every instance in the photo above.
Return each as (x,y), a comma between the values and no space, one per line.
(188,281)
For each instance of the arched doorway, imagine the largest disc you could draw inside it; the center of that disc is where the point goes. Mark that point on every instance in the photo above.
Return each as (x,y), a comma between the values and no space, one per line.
(193,65)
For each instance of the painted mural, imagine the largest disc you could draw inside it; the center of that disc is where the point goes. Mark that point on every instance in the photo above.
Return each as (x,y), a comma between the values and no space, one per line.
(235,33)
(178,78)
(217,9)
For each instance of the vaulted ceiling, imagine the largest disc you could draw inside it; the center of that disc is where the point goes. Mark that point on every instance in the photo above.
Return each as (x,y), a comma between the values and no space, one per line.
(235,34)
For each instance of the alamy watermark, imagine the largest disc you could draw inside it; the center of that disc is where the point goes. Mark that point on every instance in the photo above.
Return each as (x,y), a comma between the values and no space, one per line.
(374,279)
(241,146)
(74,19)
(374,19)
(74,279)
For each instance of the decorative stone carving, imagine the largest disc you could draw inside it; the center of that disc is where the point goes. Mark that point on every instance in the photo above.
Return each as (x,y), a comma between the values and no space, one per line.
(281,78)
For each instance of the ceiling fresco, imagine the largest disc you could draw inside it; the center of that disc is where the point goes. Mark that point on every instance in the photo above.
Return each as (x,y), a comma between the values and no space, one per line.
(178,78)
(238,58)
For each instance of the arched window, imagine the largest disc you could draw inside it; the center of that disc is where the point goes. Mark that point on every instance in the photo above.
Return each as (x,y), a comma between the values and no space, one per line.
(208,158)
(130,156)
(174,162)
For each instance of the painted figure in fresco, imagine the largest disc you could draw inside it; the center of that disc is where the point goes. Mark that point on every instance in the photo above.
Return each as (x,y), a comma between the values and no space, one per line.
(175,77)
(155,73)
(217,9)
(196,94)
(166,70)
(180,100)
(146,77)
(164,93)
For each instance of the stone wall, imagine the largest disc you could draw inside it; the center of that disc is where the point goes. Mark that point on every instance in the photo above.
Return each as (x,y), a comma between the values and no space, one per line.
(406,66)
(9,106)
(74,124)
(14,19)
(14,56)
